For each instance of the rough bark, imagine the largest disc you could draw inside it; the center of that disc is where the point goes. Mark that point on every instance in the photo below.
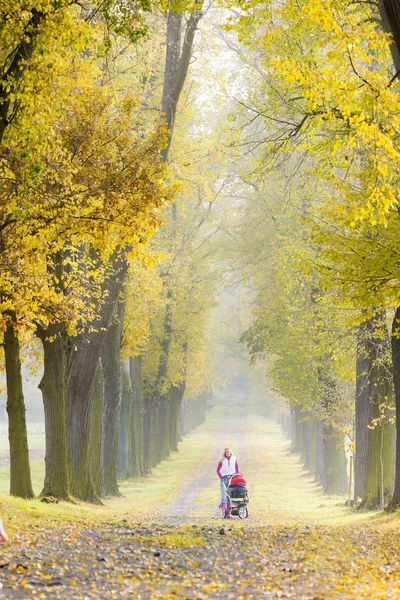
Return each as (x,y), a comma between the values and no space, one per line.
(362,411)
(82,368)
(389,458)
(135,365)
(292,427)
(396,377)
(305,440)
(381,466)
(298,445)
(390,16)
(112,401)
(183,417)
(286,426)
(163,427)
(335,462)
(320,462)
(381,448)
(374,444)
(156,403)
(309,446)
(126,422)
(20,473)
(53,390)
(96,431)
(313,448)
(130,460)
(176,398)
(146,435)
(151,432)
(177,61)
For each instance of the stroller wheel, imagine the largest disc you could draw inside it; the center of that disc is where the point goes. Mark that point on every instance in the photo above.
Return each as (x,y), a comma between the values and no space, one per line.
(243,512)
(223,513)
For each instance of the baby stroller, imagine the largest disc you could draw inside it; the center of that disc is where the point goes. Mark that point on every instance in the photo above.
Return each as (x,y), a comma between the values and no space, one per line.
(237,496)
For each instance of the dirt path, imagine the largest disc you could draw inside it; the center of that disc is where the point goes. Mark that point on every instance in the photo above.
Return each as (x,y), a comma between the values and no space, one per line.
(185,507)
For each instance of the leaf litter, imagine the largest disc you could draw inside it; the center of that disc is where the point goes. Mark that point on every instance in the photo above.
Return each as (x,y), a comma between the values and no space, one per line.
(160,560)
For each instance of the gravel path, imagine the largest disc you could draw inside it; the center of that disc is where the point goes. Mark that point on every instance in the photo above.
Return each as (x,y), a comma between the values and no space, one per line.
(184,507)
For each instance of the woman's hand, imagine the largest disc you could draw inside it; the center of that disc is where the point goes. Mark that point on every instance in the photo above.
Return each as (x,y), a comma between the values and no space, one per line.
(3,535)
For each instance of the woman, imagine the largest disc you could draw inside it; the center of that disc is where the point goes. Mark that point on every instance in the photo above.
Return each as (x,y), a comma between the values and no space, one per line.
(227,466)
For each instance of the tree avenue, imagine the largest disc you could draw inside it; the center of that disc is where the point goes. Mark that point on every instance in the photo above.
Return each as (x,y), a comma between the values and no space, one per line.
(156,158)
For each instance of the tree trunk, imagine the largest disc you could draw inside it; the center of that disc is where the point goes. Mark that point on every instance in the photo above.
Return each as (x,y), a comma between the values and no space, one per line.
(374,390)
(380,465)
(183,417)
(303,456)
(381,473)
(336,463)
(111,362)
(130,461)
(176,398)
(81,375)
(135,364)
(351,477)
(292,427)
(389,458)
(309,446)
(126,422)
(287,425)
(151,433)
(396,376)
(362,412)
(96,432)
(53,390)
(155,457)
(177,62)
(20,472)
(298,445)
(146,436)
(390,15)
(163,427)
(320,462)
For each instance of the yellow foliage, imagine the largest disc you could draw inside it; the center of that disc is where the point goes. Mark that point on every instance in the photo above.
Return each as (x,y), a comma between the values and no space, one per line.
(80,174)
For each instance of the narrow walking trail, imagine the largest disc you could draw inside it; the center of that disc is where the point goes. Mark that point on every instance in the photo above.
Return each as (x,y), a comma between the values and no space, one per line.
(296,543)
(200,496)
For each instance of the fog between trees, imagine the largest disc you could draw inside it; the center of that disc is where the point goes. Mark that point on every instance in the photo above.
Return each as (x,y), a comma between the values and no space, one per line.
(187,187)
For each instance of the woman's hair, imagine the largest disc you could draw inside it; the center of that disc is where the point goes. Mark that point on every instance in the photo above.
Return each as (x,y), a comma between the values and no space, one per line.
(223,455)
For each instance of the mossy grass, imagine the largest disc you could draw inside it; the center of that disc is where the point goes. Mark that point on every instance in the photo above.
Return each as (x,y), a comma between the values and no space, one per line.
(280,488)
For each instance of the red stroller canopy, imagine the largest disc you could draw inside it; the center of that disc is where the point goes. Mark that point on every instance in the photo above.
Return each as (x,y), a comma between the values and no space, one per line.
(237,479)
